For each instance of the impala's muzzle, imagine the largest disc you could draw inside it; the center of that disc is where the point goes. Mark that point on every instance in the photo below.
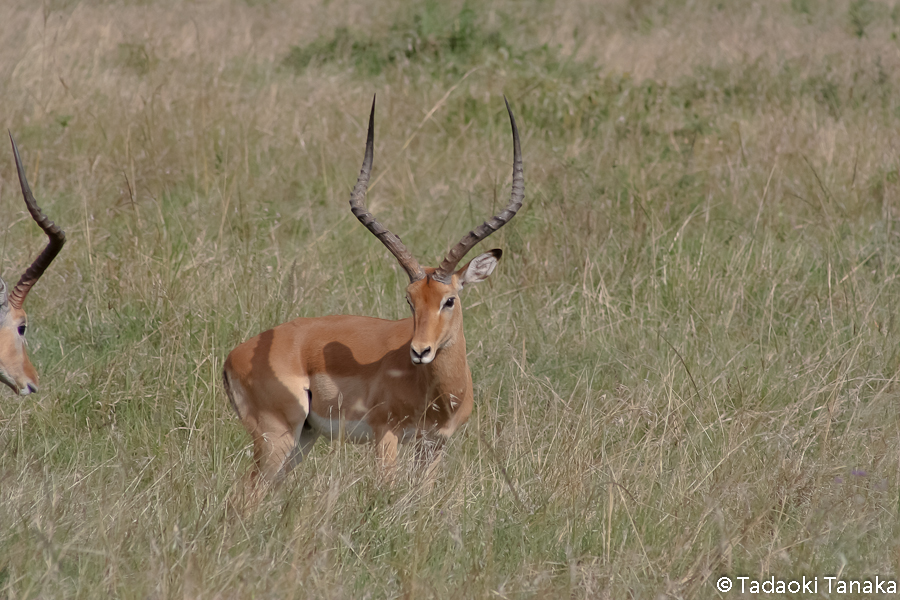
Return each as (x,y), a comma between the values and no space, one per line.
(22,388)
(423,357)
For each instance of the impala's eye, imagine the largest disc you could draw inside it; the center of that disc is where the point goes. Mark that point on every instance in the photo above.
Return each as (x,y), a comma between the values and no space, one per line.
(449,302)
(22,330)
(410,304)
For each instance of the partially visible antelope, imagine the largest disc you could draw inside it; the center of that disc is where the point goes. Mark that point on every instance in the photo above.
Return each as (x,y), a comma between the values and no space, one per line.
(362,378)
(16,370)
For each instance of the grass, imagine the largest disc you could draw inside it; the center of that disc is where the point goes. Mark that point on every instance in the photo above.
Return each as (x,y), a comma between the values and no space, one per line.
(685,366)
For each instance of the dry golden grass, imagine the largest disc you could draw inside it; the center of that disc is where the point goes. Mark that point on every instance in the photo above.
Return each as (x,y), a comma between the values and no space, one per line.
(685,366)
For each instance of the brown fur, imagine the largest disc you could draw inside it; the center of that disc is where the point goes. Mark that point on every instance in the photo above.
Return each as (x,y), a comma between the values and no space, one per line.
(355,369)
(365,378)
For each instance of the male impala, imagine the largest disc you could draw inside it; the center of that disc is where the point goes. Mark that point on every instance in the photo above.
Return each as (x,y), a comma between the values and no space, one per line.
(16,370)
(363,378)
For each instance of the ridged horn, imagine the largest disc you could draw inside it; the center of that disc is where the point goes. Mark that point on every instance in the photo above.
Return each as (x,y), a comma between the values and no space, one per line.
(358,206)
(57,238)
(458,251)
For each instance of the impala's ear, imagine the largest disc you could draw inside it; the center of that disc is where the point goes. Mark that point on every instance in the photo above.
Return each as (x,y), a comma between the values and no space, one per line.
(479,268)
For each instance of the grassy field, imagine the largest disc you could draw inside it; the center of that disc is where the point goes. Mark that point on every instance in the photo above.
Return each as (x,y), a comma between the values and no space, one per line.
(686,364)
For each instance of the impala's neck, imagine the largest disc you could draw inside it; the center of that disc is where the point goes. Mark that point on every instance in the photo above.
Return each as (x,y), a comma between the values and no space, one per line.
(449,369)
(447,388)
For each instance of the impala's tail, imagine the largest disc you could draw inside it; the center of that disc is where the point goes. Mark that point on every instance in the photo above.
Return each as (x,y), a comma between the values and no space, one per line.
(227,384)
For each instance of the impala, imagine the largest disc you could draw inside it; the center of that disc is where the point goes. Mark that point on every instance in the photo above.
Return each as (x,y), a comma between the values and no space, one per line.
(16,370)
(362,378)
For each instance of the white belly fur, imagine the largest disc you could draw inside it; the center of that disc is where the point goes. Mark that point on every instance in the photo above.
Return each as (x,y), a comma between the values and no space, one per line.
(358,432)
(355,431)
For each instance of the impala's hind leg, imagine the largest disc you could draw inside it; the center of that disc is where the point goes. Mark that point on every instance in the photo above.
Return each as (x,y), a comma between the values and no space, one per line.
(280,443)
(304,439)
(272,411)
(273,444)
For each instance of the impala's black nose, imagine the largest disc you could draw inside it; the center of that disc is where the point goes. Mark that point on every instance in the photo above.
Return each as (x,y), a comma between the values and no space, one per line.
(420,357)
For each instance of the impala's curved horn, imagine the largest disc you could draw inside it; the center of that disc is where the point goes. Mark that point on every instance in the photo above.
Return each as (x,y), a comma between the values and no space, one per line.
(57,238)
(358,206)
(458,251)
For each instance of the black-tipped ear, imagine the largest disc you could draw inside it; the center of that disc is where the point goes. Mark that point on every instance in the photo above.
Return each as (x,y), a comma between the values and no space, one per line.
(480,267)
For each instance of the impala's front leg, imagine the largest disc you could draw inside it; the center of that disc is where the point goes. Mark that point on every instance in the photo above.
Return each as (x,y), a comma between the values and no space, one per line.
(429,452)
(386,452)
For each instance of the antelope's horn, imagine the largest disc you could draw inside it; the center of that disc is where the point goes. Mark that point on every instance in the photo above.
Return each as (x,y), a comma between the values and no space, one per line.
(57,238)
(358,206)
(458,251)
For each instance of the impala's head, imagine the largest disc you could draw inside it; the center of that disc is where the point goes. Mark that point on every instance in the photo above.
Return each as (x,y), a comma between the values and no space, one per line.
(16,370)
(433,294)
(437,312)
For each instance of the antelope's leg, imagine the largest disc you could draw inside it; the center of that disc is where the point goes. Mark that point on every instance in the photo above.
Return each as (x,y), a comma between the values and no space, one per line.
(305,439)
(429,453)
(386,452)
(273,443)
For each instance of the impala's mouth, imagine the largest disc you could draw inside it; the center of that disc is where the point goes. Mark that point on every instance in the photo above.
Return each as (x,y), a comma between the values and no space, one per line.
(7,380)
(24,390)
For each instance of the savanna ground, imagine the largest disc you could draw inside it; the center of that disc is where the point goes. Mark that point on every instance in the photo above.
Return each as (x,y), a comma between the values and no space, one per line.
(686,364)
